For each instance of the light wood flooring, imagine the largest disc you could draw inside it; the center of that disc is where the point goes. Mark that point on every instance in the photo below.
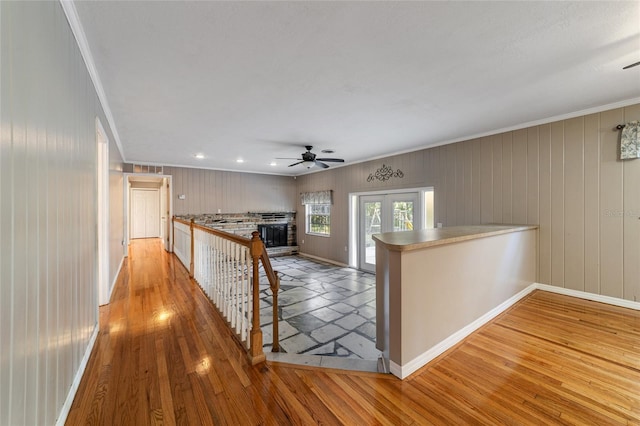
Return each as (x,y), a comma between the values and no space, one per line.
(164,356)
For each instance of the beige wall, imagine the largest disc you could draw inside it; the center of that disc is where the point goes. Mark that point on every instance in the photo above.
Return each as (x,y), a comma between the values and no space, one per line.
(563,176)
(425,292)
(48,167)
(206,191)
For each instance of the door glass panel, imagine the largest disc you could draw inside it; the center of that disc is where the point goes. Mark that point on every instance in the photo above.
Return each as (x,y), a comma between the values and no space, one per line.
(373,225)
(402,216)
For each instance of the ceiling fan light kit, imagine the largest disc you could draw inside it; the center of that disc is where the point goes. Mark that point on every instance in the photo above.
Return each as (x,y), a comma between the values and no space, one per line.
(309,160)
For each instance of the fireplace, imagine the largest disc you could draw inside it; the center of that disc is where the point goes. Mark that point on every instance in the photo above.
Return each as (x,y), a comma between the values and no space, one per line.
(273,235)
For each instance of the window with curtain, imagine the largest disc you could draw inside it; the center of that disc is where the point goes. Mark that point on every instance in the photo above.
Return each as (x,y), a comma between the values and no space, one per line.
(318,212)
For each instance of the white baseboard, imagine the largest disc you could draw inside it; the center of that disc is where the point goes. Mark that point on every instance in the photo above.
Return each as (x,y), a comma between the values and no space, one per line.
(623,303)
(115,279)
(403,371)
(322,259)
(64,412)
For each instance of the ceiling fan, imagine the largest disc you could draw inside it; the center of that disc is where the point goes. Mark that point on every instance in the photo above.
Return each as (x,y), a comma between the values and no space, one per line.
(309,159)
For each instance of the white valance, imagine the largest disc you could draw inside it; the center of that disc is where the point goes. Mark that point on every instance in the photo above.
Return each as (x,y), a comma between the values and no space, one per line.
(318,197)
(630,141)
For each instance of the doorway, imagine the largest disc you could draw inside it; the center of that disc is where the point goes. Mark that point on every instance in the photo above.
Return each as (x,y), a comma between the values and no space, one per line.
(379,212)
(148,207)
(145,213)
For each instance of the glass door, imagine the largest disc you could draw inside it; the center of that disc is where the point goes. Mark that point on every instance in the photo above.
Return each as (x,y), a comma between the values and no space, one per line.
(384,213)
(370,221)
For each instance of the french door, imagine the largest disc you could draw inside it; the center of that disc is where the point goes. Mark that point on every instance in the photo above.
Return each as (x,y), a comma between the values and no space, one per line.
(384,213)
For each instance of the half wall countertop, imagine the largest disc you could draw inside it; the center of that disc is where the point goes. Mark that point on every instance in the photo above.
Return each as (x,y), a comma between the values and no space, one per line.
(415,240)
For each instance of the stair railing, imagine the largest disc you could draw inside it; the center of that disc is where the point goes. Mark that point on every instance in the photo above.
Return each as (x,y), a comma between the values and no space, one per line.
(226,267)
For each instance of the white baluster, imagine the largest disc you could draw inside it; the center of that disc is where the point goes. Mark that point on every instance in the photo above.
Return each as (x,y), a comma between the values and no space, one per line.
(232,302)
(210,266)
(227,272)
(238,284)
(249,300)
(217,278)
(245,289)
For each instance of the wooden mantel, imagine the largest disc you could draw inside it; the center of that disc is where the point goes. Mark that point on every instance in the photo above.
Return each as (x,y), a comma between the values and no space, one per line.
(435,286)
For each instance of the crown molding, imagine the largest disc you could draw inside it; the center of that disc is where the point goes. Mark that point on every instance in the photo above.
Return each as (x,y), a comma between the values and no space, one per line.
(78,32)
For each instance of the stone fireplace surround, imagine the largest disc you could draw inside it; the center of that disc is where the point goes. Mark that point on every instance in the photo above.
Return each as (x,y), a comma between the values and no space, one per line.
(244,224)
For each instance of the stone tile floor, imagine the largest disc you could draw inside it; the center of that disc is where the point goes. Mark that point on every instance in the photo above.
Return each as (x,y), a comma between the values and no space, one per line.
(324,309)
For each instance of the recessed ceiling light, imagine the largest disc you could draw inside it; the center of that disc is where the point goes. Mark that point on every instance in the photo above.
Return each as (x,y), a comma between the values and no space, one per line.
(327,151)
(273,163)
(199,156)
(240,160)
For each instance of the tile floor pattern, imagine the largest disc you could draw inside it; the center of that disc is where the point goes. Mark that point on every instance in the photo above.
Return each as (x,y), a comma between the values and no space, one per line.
(323,309)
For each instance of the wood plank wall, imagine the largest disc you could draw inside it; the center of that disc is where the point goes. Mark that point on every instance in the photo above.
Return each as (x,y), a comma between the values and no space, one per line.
(563,176)
(206,191)
(48,291)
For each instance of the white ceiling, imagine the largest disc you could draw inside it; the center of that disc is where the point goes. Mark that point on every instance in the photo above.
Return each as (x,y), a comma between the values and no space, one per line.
(259,80)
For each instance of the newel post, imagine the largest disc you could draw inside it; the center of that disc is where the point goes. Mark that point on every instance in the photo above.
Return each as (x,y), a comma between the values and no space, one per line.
(192,250)
(256,355)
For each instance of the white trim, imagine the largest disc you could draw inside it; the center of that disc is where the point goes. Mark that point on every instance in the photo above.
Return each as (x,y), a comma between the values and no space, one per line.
(623,303)
(394,191)
(70,11)
(354,219)
(102,213)
(64,411)
(547,120)
(126,206)
(81,39)
(420,361)
(322,259)
(115,279)
(403,371)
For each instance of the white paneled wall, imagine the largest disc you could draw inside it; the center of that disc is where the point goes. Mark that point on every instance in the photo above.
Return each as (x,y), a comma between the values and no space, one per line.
(48,293)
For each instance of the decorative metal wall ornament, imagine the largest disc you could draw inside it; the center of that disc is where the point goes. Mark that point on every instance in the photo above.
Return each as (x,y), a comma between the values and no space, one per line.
(385,173)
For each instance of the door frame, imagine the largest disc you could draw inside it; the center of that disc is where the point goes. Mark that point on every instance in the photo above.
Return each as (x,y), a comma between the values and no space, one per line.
(102,216)
(168,240)
(354,215)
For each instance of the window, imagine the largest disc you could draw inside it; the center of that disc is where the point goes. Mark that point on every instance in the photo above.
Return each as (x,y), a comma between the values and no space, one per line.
(318,211)
(319,219)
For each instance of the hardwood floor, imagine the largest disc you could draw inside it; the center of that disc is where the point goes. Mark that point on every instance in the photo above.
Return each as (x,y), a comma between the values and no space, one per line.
(164,356)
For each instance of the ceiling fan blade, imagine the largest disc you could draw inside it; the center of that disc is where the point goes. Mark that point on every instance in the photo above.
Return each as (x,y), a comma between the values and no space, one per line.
(335,160)
(295,164)
(321,164)
(287,158)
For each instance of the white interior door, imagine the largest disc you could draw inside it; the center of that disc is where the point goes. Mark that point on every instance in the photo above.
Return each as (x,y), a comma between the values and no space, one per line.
(145,213)
(384,213)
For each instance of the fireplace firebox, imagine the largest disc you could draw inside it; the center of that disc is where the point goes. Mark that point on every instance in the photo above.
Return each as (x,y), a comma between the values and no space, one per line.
(273,235)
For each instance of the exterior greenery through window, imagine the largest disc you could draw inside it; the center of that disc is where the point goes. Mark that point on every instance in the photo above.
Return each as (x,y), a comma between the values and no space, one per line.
(319,219)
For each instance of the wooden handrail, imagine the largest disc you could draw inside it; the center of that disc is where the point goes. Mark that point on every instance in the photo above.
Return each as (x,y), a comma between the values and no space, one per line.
(258,253)
(184,222)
